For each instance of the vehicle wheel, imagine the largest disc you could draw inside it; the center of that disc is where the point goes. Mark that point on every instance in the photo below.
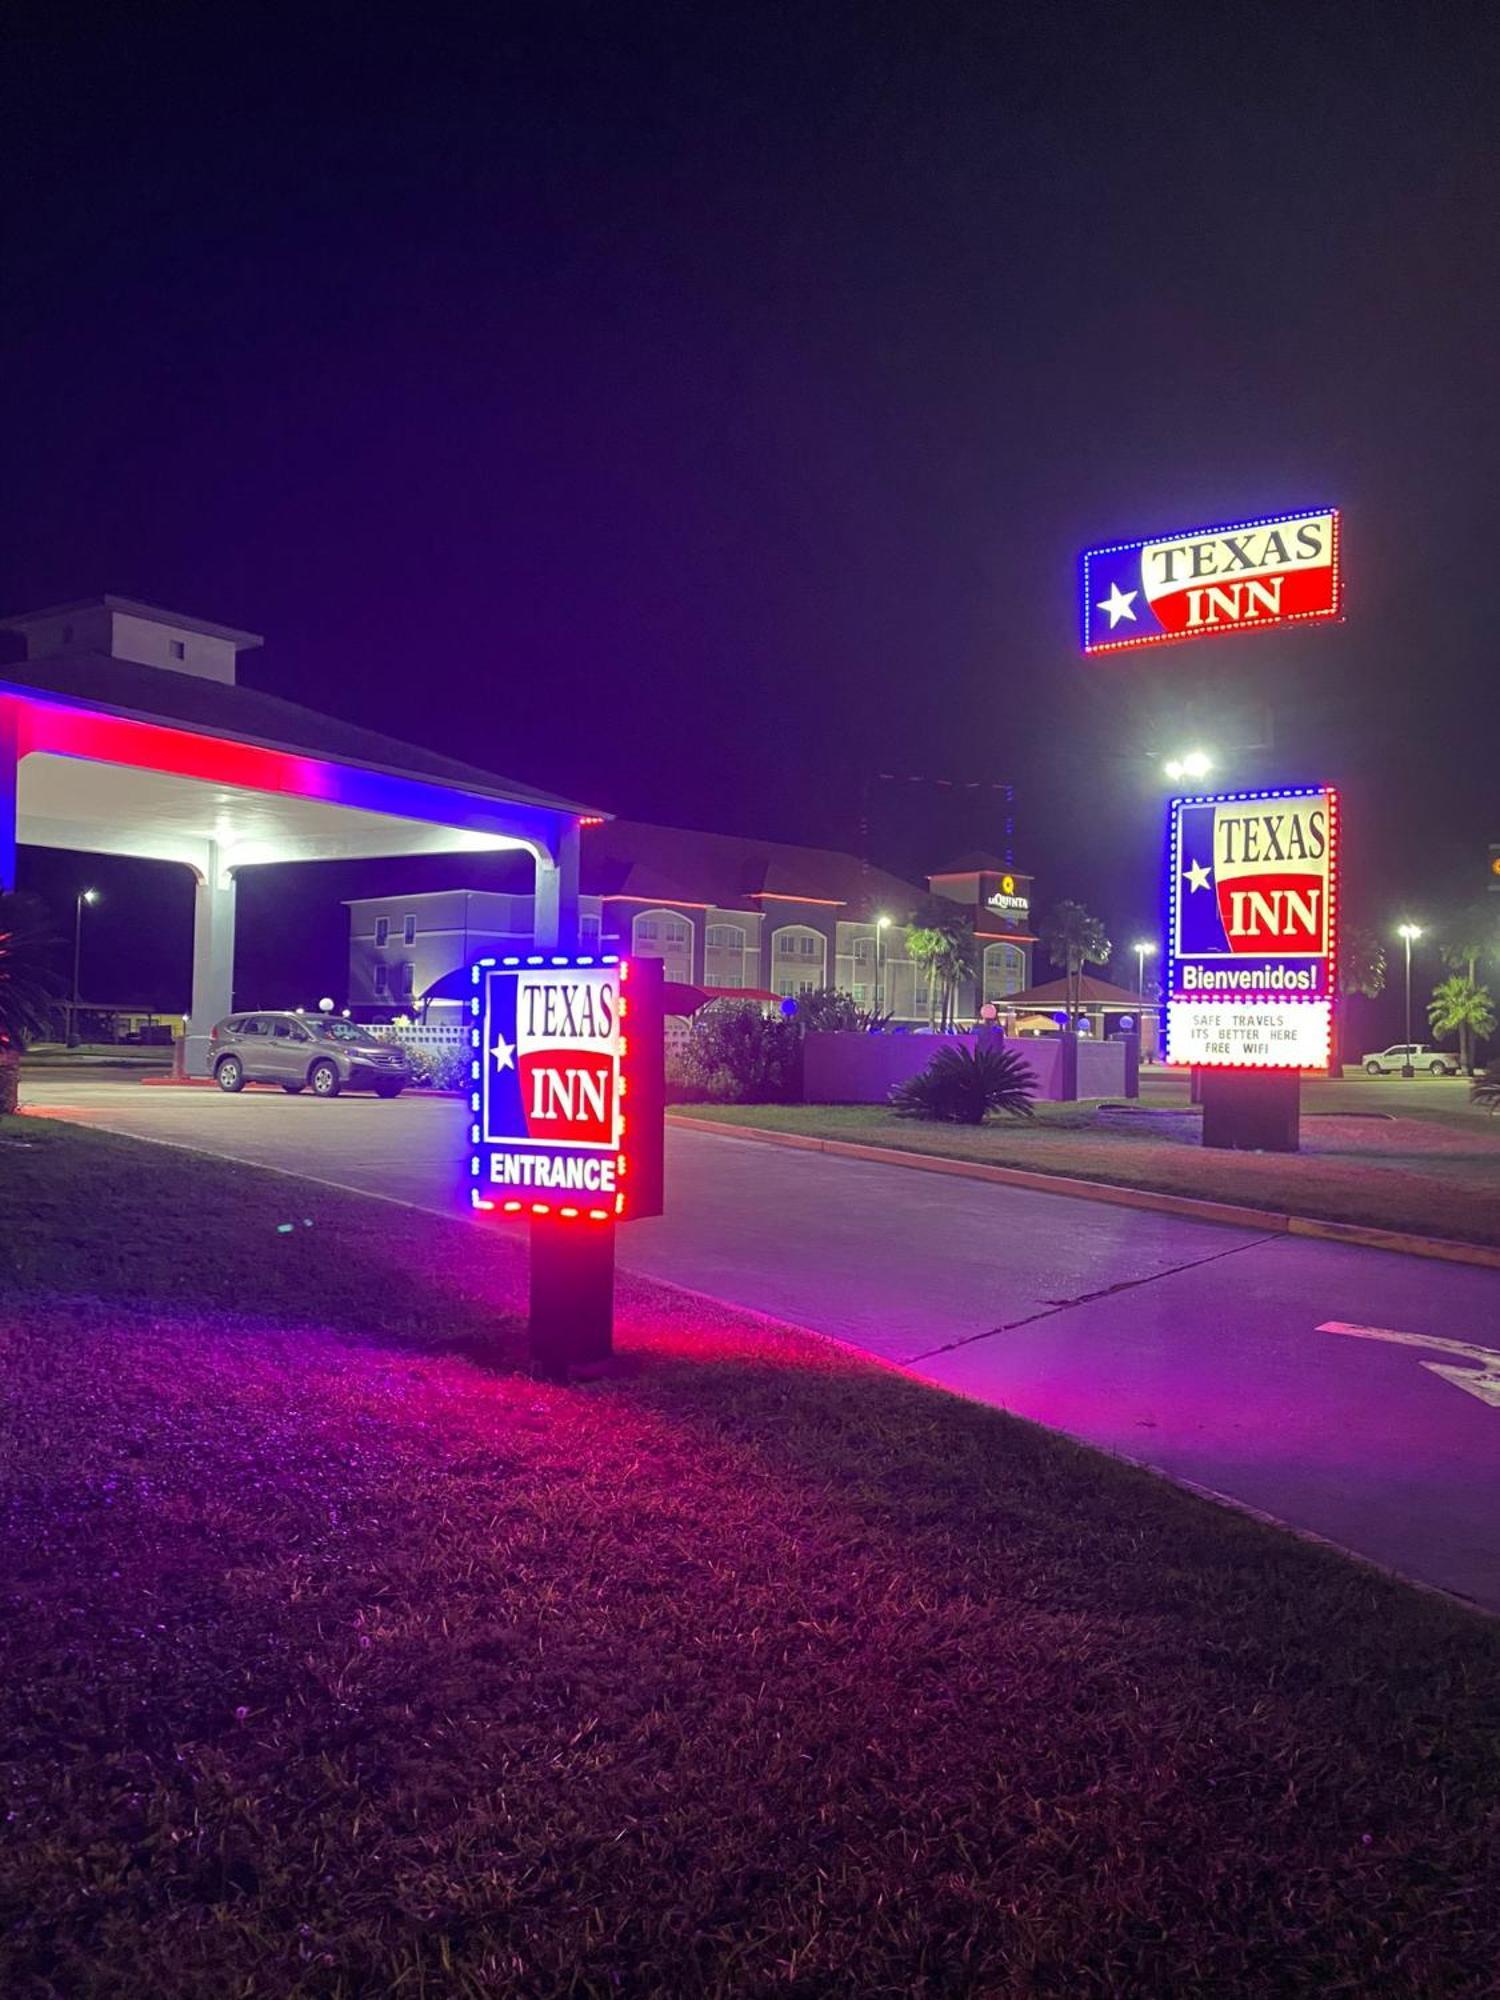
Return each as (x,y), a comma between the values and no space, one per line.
(324,1078)
(1372,1069)
(292,1089)
(389,1089)
(1438,1068)
(230,1074)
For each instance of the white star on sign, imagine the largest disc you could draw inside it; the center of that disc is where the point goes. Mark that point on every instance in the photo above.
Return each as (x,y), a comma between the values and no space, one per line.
(504,1054)
(1197,875)
(1118,604)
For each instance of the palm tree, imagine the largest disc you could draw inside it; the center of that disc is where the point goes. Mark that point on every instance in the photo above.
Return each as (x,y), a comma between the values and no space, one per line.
(1459,1006)
(1362,968)
(1074,939)
(1473,934)
(941,938)
(28,985)
(1361,961)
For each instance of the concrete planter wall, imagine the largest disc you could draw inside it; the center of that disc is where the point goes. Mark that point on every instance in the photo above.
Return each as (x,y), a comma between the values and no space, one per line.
(860,1069)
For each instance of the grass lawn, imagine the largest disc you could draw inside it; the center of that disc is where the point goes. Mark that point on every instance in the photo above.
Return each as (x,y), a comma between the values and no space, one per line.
(1390,1173)
(341,1659)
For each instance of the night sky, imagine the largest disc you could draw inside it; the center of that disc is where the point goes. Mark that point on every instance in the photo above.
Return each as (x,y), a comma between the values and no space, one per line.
(699,410)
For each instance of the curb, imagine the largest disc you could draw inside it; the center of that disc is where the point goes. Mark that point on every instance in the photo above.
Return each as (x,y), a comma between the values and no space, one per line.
(207,1083)
(1444,1249)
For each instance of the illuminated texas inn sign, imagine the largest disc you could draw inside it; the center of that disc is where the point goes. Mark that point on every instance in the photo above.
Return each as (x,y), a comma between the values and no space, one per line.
(567,1095)
(1252,928)
(1281,569)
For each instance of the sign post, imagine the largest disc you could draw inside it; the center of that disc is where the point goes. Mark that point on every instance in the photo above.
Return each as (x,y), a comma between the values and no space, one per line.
(1252,930)
(567,1129)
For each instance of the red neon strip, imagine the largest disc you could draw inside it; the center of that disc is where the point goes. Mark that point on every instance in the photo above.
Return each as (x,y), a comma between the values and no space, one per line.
(774,896)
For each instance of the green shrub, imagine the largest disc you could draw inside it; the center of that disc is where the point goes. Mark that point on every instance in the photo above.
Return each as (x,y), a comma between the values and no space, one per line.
(960,1086)
(735,1054)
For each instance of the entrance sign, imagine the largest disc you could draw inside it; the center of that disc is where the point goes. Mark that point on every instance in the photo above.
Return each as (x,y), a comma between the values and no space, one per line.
(1282,569)
(1252,929)
(567,1096)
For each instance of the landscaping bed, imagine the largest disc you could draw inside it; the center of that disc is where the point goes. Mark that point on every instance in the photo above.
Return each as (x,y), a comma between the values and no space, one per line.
(1383,1173)
(341,1658)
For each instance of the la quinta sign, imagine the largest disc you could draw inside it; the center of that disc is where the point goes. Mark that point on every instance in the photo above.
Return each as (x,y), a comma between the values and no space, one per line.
(1252,916)
(1282,569)
(567,1088)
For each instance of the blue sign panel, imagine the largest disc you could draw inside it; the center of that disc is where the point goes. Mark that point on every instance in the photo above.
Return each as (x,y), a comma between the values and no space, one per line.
(1280,570)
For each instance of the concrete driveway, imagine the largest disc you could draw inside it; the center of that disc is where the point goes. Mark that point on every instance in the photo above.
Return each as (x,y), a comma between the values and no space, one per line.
(1208,1352)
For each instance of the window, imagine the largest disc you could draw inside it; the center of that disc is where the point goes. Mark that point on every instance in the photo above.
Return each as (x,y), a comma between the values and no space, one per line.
(382,931)
(664,935)
(1004,971)
(291,1031)
(588,933)
(382,978)
(408,979)
(800,960)
(408,929)
(179,649)
(724,956)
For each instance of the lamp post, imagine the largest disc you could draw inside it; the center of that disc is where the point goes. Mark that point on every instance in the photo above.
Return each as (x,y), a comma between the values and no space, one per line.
(1406,933)
(882,925)
(1144,949)
(84,896)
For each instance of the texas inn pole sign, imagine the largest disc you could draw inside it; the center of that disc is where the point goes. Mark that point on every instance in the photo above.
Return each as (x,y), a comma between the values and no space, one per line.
(1280,570)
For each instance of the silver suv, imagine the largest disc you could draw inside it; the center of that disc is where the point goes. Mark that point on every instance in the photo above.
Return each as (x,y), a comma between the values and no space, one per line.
(304,1052)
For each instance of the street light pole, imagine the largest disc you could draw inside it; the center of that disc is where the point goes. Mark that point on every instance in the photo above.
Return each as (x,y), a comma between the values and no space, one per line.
(882,924)
(1406,932)
(1144,949)
(84,896)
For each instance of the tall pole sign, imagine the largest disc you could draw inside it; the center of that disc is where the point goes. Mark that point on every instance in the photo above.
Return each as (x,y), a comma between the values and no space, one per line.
(567,1127)
(1252,938)
(1277,570)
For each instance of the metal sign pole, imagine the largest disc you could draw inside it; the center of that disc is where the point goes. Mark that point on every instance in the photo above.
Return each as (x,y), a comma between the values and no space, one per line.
(572,1318)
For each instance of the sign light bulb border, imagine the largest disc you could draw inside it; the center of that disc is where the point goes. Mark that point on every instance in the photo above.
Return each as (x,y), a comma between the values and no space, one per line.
(633,1135)
(1334,613)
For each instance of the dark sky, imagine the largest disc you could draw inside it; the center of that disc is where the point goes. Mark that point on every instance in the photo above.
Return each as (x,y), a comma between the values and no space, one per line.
(699,409)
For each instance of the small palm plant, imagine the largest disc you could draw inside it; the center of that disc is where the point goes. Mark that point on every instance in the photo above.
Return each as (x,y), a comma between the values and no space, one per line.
(961,1086)
(28,986)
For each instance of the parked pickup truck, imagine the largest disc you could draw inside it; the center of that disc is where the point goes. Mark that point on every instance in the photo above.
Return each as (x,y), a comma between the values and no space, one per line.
(1436,1062)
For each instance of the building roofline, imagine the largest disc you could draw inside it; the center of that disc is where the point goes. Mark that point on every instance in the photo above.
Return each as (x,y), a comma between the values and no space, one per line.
(132,607)
(476,783)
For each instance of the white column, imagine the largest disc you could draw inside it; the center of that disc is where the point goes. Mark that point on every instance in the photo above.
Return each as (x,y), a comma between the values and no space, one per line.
(10,762)
(555,922)
(213,959)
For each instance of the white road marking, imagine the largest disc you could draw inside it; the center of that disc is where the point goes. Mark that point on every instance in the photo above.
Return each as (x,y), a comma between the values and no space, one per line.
(1483,1382)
